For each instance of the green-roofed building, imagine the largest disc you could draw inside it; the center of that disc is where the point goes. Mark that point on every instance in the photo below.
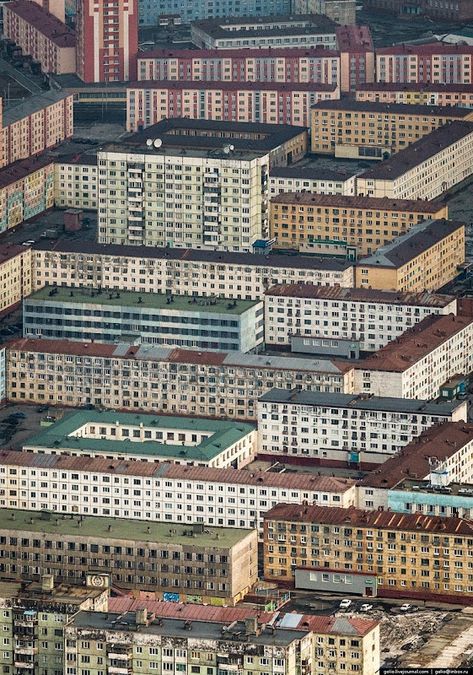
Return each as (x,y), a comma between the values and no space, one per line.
(183,440)
(189,322)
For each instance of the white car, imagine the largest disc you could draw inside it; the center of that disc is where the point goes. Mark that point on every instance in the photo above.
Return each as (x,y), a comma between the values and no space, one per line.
(366,607)
(405,607)
(30,242)
(345,604)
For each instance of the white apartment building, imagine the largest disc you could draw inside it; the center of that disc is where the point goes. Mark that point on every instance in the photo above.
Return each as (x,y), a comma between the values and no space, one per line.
(192,183)
(159,491)
(425,169)
(75,181)
(368,318)
(345,429)
(419,361)
(442,454)
(311,179)
(240,276)
(158,379)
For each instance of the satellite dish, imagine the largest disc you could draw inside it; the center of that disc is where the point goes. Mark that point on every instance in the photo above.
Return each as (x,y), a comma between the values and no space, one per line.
(157,143)
(232,147)
(149,142)
(227,149)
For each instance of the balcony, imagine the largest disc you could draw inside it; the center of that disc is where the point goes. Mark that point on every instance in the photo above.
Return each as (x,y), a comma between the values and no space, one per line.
(119,670)
(25,665)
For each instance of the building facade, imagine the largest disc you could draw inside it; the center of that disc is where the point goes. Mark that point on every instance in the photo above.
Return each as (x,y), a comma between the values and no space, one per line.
(454,500)
(424,63)
(15,276)
(348,226)
(425,258)
(357,60)
(308,179)
(150,11)
(341,11)
(76,182)
(107,40)
(40,35)
(345,429)
(412,93)
(403,551)
(153,379)
(267,103)
(358,129)
(218,565)
(435,9)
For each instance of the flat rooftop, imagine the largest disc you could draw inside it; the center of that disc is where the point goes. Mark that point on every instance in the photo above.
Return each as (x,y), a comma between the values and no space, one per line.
(121,529)
(310,173)
(9,251)
(180,85)
(464,490)
(180,303)
(371,295)
(44,22)
(410,245)
(399,109)
(425,49)
(249,53)
(23,168)
(415,343)
(420,151)
(13,112)
(413,460)
(33,595)
(262,26)
(222,434)
(358,202)
(360,402)
(417,87)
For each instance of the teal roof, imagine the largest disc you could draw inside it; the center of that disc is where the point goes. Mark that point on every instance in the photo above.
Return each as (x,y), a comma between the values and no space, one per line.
(223,435)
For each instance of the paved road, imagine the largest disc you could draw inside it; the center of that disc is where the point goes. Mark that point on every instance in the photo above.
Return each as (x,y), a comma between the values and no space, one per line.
(29,84)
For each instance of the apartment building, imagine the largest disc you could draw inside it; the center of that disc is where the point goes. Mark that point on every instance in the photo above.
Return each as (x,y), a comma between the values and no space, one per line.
(442,456)
(424,63)
(193,183)
(76,181)
(340,11)
(40,35)
(32,619)
(436,9)
(183,440)
(26,189)
(240,276)
(15,276)
(359,129)
(414,496)
(424,170)
(419,361)
(344,429)
(156,379)
(344,225)
(275,64)
(170,491)
(311,179)
(398,555)
(425,258)
(368,318)
(303,30)
(218,564)
(357,56)
(266,642)
(150,11)
(149,102)
(429,93)
(34,125)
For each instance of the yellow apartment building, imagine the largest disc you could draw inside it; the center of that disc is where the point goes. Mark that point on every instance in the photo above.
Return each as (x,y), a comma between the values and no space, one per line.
(344,225)
(425,258)
(15,276)
(432,93)
(375,130)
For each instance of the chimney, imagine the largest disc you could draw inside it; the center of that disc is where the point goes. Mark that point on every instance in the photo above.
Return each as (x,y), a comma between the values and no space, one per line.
(141,617)
(47,583)
(251,625)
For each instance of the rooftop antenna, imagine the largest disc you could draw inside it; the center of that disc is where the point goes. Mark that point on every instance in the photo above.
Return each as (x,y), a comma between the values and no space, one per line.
(227,149)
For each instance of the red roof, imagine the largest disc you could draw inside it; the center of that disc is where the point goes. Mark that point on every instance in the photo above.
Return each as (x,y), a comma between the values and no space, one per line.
(43,22)
(354,38)
(187,356)
(425,49)
(24,167)
(9,251)
(232,86)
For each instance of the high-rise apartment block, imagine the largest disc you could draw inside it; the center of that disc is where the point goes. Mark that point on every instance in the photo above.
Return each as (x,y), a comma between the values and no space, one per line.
(107,40)
(435,62)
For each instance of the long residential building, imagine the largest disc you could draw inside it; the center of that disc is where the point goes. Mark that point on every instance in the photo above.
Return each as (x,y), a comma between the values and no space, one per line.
(151,12)
(34,125)
(149,102)
(375,130)
(193,183)
(15,276)
(417,363)
(398,555)
(344,225)
(369,319)
(76,181)
(240,276)
(426,169)
(276,65)
(311,179)
(345,429)
(228,640)
(428,93)
(158,379)
(427,257)
(217,563)
(442,10)
(341,11)
(425,63)
(170,492)
(40,35)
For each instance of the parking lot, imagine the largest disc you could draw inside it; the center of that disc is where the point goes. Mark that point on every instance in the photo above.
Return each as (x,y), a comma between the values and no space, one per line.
(20,422)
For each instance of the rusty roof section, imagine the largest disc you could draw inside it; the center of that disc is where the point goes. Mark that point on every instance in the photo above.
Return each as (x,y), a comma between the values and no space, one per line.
(356,202)
(412,461)
(23,168)
(424,299)
(378,520)
(415,343)
(302,481)
(43,22)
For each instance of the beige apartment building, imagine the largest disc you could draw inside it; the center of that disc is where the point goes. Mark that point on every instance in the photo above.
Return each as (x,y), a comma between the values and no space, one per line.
(76,181)
(426,169)
(158,379)
(15,276)
(428,93)
(426,258)
(338,224)
(341,11)
(372,130)
(241,276)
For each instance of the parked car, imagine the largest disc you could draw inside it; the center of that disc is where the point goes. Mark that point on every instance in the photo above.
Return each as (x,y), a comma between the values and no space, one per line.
(18,415)
(365,607)
(405,607)
(345,604)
